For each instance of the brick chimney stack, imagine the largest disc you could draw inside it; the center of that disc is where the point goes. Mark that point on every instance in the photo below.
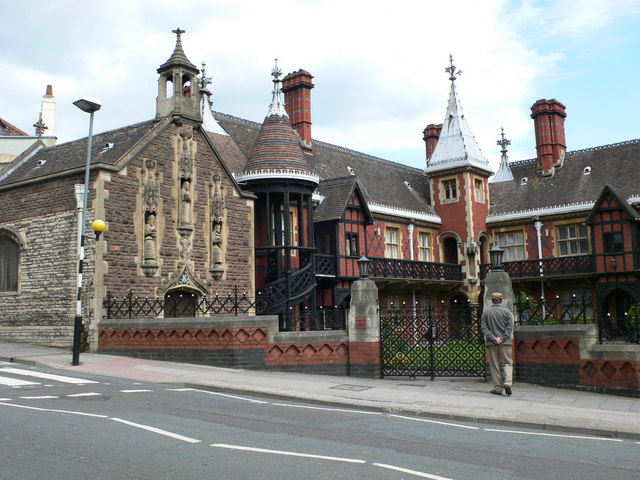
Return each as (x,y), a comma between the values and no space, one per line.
(548,117)
(430,135)
(297,99)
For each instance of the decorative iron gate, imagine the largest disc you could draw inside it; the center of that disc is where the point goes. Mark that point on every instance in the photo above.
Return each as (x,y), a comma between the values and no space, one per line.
(433,341)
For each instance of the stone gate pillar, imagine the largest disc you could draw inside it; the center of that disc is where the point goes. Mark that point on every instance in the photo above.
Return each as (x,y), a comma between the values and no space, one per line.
(364,330)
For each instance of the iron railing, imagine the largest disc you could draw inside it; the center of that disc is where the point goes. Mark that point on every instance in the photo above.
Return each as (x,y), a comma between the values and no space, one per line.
(395,268)
(322,318)
(546,267)
(531,311)
(433,340)
(130,306)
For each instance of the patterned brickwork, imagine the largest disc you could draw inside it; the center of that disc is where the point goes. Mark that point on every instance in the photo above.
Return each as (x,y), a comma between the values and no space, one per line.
(183,338)
(558,362)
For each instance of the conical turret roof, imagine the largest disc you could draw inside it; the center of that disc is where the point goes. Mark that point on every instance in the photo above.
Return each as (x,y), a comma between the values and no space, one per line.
(456,147)
(277,152)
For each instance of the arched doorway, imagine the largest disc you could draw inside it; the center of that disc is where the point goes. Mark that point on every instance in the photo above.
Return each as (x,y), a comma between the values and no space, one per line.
(180,303)
(450,250)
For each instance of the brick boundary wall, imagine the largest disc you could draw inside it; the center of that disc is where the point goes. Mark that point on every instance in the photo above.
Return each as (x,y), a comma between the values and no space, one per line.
(568,356)
(252,343)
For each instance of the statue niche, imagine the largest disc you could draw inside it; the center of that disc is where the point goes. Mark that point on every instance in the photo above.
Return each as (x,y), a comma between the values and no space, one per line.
(217,207)
(150,202)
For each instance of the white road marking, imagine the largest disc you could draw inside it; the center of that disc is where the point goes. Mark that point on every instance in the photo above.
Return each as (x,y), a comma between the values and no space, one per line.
(135,391)
(5,399)
(604,439)
(436,421)
(411,472)
(14,382)
(40,397)
(363,412)
(157,430)
(181,390)
(54,410)
(87,394)
(231,396)
(48,376)
(283,452)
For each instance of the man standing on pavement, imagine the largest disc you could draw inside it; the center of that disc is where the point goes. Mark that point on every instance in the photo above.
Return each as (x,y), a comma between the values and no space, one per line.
(497,326)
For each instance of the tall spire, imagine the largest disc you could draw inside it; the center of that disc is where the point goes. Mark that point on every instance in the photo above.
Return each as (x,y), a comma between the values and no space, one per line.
(456,145)
(277,104)
(504,172)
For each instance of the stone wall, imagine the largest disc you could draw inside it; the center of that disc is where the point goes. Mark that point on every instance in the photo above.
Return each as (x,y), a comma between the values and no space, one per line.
(45,218)
(568,356)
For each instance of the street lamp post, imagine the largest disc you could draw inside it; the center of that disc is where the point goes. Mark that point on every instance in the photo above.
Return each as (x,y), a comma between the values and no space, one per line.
(90,106)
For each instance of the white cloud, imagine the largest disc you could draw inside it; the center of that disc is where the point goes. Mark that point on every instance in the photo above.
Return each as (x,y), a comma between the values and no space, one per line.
(378,67)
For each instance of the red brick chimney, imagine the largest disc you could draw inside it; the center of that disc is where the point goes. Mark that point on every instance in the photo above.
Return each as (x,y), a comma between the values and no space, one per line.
(297,101)
(430,135)
(548,118)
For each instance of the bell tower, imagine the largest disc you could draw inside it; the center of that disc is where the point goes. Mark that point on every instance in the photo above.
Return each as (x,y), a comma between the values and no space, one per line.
(178,85)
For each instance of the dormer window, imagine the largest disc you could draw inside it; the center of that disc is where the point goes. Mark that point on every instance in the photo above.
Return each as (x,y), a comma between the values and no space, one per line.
(524,181)
(586,171)
(351,170)
(40,163)
(107,146)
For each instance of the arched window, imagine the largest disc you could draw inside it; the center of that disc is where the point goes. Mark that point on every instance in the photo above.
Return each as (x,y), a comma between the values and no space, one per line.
(9,262)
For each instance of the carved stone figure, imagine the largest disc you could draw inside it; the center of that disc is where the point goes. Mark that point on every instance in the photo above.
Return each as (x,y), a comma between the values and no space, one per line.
(217,218)
(185,203)
(150,235)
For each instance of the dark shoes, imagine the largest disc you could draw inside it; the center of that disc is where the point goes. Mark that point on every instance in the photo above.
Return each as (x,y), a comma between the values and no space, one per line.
(495,392)
(507,389)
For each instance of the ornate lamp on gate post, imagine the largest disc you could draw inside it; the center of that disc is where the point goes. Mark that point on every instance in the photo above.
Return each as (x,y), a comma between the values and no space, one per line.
(363,265)
(496,254)
(90,106)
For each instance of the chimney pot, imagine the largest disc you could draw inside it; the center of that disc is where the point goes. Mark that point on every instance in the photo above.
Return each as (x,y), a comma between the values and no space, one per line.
(430,135)
(548,117)
(297,98)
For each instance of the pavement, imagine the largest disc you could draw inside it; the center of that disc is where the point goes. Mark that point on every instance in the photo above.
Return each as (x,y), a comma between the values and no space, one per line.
(530,406)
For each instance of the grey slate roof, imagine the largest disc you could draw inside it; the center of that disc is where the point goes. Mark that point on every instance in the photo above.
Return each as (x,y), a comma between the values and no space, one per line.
(336,193)
(616,165)
(71,156)
(382,182)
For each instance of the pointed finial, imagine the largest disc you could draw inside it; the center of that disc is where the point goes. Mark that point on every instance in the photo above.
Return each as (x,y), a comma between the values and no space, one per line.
(204,80)
(277,105)
(451,70)
(276,72)
(40,126)
(503,142)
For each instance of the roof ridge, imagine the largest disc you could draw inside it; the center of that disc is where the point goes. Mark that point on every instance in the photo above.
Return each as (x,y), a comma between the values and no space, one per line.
(250,123)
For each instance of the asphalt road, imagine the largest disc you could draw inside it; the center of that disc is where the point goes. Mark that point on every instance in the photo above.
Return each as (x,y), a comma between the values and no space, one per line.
(57,426)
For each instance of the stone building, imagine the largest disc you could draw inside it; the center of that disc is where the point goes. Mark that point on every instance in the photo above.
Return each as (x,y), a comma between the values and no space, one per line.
(179,227)
(200,202)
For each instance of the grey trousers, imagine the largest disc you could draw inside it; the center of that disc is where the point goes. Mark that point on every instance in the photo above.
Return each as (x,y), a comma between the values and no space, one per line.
(501,363)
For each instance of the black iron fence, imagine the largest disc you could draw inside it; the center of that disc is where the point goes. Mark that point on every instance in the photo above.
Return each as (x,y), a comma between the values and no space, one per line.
(578,310)
(322,318)
(233,303)
(130,306)
(544,267)
(394,268)
(434,341)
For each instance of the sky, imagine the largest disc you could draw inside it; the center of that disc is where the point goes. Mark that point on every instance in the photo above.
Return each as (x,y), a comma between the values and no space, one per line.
(378,66)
